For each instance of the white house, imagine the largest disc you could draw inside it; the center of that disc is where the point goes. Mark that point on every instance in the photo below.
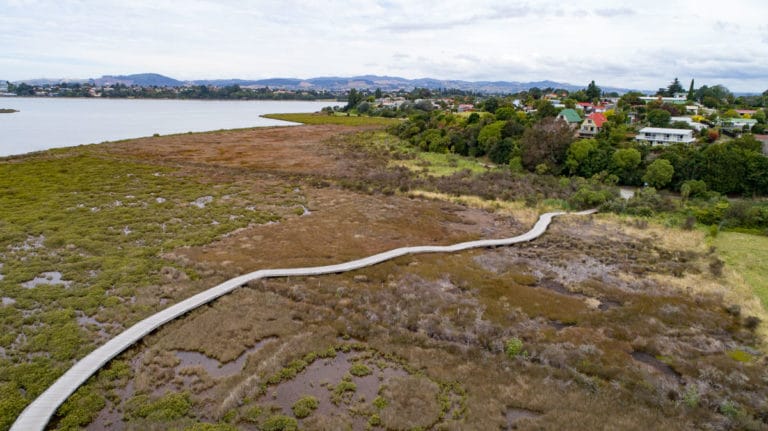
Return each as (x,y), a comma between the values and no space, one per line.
(688,120)
(662,136)
(736,124)
(677,99)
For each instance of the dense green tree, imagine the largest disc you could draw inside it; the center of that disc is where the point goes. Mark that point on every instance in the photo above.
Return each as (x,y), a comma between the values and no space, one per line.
(658,118)
(625,163)
(489,136)
(588,157)
(505,113)
(593,91)
(378,94)
(659,173)
(691,91)
(545,109)
(502,151)
(724,168)
(686,161)
(546,143)
(630,99)
(759,116)
(674,87)
(353,99)
(491,104)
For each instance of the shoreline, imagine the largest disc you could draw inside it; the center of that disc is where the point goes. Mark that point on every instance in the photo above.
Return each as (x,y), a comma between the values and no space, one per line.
(64,122)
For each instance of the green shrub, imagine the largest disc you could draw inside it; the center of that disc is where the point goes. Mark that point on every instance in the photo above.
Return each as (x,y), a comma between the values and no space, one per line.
(342,388)
(305,406)
(691,397)
(280,423)
(168,407)
(513,347)
(252,414)
(729,408)
(359,370)
(375,420)
(380,402)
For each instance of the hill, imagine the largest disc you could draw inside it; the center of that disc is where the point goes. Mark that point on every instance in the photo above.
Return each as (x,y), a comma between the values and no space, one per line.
(332,83)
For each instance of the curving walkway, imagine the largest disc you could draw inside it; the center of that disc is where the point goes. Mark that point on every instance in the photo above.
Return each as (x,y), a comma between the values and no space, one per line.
(37,414)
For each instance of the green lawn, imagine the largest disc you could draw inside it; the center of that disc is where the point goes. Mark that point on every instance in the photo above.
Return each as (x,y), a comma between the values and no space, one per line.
(333,119)
(439,164)
(747,254)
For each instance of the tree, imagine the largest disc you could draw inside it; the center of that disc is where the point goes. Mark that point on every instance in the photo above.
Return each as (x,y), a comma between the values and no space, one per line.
(759,116)
(491,104)
(691,91)
(624,163)
(546,143)
(377,94)
(659,173)
(674,87)
(593,91)
(588,157)
(501,151)
(658,118)
(505,113)
(353,99)
(630,99)
(545,109)
(489,136)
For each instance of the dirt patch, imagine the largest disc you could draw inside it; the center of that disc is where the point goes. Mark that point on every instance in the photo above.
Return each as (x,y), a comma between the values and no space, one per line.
(297,149)
(344,225)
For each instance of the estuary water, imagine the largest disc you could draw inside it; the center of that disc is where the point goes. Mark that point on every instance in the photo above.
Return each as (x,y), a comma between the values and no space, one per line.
(44,123)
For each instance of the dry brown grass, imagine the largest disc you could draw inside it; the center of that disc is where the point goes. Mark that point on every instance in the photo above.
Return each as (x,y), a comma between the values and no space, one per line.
(582,299)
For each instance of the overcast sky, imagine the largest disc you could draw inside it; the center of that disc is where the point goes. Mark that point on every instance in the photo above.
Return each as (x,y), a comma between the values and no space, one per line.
(636,44)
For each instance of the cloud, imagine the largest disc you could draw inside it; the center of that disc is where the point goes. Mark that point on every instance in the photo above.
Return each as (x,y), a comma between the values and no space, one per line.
(613,12)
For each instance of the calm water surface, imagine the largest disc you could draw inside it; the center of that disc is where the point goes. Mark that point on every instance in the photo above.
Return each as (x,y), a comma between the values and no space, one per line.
(44,123)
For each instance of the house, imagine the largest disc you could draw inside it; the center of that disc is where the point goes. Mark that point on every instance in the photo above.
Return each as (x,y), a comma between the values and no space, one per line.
(745,113)
(663,136)
(570,116)
(677,99)
(592,124)
(466,107)
(692,109)
(689,121)
(736,125)
(585,106)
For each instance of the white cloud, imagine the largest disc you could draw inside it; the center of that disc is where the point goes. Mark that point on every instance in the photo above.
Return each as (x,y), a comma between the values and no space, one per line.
(642,45)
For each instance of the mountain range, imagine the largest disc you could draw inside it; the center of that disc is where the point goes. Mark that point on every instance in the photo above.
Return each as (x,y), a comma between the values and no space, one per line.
(332,83)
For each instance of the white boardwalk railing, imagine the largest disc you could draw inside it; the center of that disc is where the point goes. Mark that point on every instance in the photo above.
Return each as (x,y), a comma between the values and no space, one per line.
(39,412)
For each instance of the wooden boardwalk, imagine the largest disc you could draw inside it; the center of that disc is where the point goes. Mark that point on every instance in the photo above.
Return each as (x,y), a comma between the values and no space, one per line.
(39,412)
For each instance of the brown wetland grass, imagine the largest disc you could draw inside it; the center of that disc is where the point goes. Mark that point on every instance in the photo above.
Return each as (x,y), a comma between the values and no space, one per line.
(604,322)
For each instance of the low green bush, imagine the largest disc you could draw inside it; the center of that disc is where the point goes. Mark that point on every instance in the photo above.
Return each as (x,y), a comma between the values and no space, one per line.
(305,406)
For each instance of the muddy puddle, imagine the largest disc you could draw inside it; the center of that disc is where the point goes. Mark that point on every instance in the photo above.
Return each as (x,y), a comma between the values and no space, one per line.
(213,367)
(320,380)
(90,323)
(656,364)
(50,277)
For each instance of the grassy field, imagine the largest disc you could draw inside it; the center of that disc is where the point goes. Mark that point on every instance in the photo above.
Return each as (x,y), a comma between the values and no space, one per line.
(440,165)
(343,120)
(747,254)
(100,224)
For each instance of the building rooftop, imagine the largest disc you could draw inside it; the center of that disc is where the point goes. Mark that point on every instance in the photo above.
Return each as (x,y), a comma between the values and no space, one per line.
(598,118)
(570,115)
(663,130)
